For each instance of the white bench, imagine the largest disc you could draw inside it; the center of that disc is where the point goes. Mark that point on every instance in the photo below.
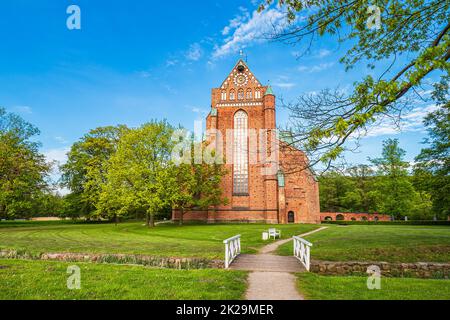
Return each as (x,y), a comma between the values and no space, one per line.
(274,233)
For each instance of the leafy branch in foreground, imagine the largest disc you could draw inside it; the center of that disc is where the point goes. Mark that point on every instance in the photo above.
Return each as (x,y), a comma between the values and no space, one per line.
(411,47)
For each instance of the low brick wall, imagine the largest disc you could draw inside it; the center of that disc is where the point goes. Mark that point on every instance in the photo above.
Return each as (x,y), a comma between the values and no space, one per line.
(347,216)
(426,270)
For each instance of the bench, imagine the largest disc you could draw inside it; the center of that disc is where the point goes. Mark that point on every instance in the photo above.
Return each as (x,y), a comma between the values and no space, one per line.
(274,233)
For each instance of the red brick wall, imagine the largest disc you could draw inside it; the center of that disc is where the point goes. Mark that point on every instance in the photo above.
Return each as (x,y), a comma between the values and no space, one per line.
(356,216)
(302,189)
(262,204)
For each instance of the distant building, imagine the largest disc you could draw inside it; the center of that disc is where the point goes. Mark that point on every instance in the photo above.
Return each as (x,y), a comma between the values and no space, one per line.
(288,195)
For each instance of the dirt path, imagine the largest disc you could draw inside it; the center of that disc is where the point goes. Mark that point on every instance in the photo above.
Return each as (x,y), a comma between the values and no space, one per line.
(272,286)
(272,276)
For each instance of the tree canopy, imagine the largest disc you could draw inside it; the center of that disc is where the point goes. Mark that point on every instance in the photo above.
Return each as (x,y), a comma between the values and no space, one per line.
(411,44)
(432,169)
(23,169)
(136,171)
(85,169)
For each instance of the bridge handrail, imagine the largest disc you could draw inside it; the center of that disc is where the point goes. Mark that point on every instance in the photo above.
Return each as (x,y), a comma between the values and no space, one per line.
(302,251)
(232,249)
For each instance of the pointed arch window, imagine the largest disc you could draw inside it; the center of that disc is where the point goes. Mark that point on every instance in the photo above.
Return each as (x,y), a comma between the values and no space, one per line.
(241,94)
(240,154)
(224,95)
(258,94)
(232,95)
(249,94)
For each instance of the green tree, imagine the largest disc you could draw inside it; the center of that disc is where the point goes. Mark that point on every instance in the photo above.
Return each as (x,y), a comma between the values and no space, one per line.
(23,169)
(363,176)
(135,173)
(393,187)
(49,204)
(338,193)
(191,186)
(432,169)
(411,44)
(85,170)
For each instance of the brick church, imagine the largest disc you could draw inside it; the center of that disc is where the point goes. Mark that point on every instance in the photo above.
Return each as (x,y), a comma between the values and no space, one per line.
(290,194)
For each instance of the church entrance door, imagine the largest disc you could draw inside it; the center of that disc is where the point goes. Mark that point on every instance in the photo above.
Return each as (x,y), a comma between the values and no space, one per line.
(291,217)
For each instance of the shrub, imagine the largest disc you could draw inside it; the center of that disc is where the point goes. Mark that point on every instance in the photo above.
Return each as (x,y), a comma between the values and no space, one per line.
(413,222)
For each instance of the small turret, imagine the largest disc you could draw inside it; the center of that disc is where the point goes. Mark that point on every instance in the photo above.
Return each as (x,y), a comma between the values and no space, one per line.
(269,91)
(269,108)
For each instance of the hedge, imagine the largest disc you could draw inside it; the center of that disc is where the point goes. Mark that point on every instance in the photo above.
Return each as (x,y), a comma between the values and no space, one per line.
(412,222)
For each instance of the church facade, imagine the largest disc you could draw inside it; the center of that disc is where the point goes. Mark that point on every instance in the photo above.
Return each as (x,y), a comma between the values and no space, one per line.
(267,179)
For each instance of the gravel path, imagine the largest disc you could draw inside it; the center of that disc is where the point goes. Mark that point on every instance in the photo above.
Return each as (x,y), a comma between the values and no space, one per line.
(272,286)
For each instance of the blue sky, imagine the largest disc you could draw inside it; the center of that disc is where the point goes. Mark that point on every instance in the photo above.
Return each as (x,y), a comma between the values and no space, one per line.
(133,61)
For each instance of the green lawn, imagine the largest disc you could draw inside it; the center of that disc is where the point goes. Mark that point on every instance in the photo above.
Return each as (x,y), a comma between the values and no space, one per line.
(379,243)
(39,280)
(315,287)
(168,240)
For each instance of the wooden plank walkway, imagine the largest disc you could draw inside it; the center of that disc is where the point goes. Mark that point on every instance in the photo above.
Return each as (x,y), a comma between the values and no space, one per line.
(267,263)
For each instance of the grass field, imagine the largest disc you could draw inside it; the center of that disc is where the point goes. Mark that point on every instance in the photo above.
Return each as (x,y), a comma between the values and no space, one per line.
(168,240)
(379,243)
(39,280)
(315,287)
(23,279)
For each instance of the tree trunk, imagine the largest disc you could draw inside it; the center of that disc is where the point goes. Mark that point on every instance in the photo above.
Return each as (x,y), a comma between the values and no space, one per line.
(148,219)
(116,219)
(181,216)
(2,211)
(152,221)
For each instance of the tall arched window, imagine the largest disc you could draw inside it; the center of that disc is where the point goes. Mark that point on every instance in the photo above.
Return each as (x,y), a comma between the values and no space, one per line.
(231,94)
(224,95)
(240,153)
(249,94)
(257,94)
(241,94)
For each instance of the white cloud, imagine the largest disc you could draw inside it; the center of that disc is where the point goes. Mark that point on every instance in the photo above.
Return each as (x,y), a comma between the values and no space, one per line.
(58,155)
(144,74)
(410,122)
(284,85)
(195,52)
(236,22)
(247,29)
(316,68)
(198,110)
(323,53)
(284,82)
(171,62)
(61,140)
(22,109)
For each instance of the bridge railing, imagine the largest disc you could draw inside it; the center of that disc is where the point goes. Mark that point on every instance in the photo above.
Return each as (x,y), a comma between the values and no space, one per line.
(232,249)
(302,251)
